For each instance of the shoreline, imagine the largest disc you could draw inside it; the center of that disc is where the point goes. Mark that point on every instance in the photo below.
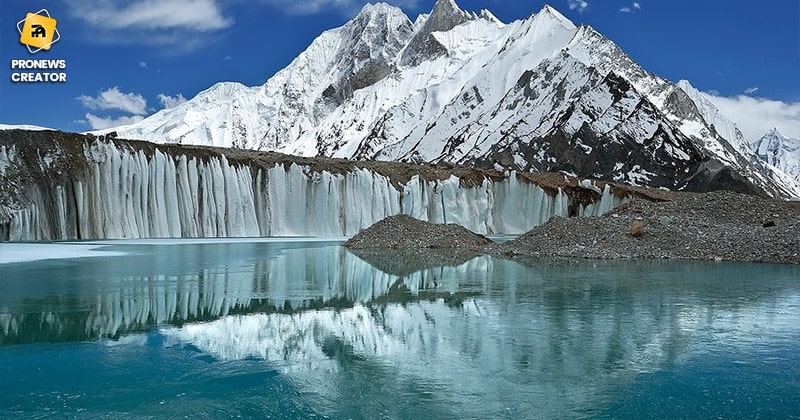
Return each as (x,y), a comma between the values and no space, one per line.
(715,226)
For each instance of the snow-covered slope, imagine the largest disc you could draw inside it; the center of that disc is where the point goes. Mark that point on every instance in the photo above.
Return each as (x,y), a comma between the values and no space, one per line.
(535,94)
(23,127)
(779,151)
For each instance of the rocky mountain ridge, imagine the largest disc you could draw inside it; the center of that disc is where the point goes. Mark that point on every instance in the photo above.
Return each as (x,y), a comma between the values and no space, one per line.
(539,94)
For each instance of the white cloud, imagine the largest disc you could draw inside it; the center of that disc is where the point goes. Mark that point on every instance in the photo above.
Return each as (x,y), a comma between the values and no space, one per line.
(193,15)
(143,64)
(175,26)
(756,116)
(634,7)
(751,90)
(579,5)
(114,99)
(99,123)
(171,101)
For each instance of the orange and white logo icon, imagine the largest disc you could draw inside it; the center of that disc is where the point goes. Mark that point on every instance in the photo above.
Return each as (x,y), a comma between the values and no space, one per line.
(38,31)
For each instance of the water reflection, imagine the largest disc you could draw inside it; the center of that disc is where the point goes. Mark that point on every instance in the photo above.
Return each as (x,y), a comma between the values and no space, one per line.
(373,335)
(545,340)
(403,262)
(103,300)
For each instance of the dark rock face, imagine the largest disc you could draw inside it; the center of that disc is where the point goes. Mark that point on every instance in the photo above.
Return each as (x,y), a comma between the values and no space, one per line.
(406,232)
(372,41)
(679,103)
(595,126)
(423,46)
(714,226)
(44,167)
(587,151)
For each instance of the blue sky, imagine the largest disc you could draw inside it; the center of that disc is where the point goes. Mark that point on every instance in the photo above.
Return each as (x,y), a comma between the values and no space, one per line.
(142,55)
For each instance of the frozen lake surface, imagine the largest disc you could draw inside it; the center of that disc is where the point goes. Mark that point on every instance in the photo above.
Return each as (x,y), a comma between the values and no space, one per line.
(300,328)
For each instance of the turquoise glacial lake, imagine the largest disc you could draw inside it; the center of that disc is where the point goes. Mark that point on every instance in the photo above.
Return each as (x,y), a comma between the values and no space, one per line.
(306,329)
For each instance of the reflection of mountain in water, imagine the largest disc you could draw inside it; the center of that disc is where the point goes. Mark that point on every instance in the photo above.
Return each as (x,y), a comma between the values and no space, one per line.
(545,339)
(528,337)
(294,280)
(531,335)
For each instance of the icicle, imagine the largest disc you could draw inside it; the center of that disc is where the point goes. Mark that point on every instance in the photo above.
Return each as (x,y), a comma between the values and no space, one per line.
(127,194)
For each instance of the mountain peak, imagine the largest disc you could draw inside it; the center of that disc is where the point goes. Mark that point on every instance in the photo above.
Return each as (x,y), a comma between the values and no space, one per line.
(779,151)
(685,85)
(486,14)
(447,6)
(445,16)
(377,10)
(380,8)
(774,135)
(550,11)
(774,132)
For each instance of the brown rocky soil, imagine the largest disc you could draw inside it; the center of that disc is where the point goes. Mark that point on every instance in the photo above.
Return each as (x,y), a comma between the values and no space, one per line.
(406,232)
(712,226)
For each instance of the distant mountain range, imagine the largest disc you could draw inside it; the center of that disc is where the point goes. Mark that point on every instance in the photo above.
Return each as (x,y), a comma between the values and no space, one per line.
(539,94)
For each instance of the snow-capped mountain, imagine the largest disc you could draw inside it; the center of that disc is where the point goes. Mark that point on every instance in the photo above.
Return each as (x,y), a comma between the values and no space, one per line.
(779,151)
(537,94)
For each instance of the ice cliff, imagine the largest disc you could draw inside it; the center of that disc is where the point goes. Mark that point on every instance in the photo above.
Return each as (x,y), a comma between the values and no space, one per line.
(59,186)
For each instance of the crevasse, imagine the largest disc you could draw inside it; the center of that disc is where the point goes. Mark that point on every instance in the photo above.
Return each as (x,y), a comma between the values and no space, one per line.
(128,194)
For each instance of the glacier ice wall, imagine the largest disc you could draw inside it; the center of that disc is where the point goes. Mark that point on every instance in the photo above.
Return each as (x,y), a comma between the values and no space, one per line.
(130,193)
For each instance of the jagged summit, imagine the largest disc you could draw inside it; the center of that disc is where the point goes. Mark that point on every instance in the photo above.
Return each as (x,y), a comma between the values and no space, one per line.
(488,15)
(446,15)
(549,10)
(779,151)
(423,46)
(448,8)
(534,94)
(378,12)
(379,7)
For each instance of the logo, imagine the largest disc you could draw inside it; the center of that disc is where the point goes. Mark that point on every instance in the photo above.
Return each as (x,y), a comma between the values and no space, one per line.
(38,31)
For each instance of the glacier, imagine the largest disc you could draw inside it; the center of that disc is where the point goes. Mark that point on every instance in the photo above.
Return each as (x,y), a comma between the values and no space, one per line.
(118,189)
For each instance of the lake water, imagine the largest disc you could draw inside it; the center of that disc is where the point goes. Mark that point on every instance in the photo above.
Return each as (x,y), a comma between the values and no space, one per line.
(306,329)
